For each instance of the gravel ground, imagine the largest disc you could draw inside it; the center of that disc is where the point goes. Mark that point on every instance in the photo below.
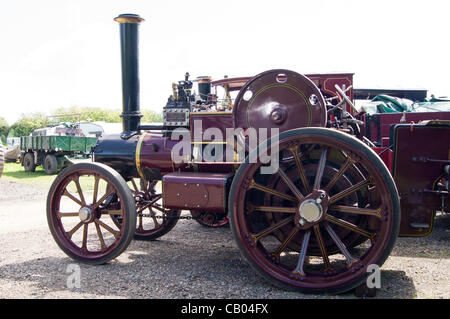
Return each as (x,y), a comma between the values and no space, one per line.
(191,261)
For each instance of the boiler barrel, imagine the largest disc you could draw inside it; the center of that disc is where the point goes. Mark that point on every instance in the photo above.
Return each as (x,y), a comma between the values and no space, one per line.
(118,153)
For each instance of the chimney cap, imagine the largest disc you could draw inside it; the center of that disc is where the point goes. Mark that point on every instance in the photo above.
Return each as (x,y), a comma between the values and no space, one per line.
(129,18)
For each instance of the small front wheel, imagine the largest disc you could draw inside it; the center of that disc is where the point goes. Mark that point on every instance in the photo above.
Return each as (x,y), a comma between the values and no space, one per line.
(79,204)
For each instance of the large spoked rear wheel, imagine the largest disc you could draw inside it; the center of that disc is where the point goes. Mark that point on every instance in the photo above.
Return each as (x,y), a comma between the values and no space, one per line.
(79,204)
(329,211)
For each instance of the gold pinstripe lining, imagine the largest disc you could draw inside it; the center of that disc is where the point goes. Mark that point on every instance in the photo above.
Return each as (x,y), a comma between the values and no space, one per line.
(138,155)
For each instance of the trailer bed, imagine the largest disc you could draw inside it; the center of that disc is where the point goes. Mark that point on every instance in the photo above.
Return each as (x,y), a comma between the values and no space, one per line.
(57,143)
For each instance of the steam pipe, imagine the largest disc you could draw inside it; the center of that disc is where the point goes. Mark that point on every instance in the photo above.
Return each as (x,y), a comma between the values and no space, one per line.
(129,47)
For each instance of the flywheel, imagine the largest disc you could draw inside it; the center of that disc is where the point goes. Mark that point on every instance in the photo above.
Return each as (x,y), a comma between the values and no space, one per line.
(280,99)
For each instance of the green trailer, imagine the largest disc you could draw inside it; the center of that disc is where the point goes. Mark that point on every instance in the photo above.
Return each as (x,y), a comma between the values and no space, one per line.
(52,152)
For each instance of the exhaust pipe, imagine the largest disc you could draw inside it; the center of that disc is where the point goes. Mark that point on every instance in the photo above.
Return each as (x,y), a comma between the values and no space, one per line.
(129,47)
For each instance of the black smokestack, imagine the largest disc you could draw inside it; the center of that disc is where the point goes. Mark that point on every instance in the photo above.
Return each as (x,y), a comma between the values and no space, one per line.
(129,47)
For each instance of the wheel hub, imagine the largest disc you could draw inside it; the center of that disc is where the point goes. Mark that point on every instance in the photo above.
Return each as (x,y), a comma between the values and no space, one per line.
(85,214)
(310,210)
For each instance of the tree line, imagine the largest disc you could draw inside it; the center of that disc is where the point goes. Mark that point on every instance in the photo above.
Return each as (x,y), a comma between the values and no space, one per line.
(31,121)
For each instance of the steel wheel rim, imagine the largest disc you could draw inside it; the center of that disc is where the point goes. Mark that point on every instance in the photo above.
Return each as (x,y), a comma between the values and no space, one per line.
(65,235)
(262,260)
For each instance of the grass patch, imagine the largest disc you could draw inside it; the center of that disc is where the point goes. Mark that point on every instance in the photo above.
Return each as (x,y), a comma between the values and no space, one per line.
(14,172)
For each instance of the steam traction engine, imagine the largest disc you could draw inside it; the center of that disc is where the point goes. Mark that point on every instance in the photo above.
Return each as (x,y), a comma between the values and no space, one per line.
(311,215)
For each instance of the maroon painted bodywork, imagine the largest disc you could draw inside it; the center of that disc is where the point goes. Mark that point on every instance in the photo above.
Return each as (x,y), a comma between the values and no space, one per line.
(418,165)
(326,83)
(201,121)
(198,191)
(377,126)
(154,157)
(418,208)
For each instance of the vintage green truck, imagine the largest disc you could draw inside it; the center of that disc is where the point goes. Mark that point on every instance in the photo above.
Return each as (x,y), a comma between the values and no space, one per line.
(52,148)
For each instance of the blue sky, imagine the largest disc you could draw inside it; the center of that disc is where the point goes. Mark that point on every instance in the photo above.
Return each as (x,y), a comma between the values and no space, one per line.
(63,53)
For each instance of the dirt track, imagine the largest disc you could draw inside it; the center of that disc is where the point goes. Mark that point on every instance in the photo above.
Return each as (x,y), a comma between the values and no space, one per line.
(189,262)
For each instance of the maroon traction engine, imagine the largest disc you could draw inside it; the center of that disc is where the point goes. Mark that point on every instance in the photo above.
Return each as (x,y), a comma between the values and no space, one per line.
(327,209)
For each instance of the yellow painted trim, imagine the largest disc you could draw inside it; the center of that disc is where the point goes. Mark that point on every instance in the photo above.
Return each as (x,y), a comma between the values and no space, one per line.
(338,78)
(209,113)
(136,20)
(138,155)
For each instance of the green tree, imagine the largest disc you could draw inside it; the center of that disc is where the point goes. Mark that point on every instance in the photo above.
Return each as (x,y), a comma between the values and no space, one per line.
(151,116)
(83,113)
(27,123)
(98,114)
(4,129)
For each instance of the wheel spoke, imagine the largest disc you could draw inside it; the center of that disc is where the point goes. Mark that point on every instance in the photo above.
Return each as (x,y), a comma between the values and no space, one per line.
(111,212)
(71,232)
(302,255)
(80,192)
(271,229)
(283,245)
(150,186)
(109,191)
(85,236)
(301,171)
(350,226)
(341,245)
(152,213)
(136,190)
(112,231)
(290,184)
(156,197)
(320,169)
(142,208)
(159,208)
(76,200)
(61,214)
(100,236)
(323,250)
(272,209)
(140,224)
(94,198)
(271,191)
(350,190)
(339,174)
(356,210)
